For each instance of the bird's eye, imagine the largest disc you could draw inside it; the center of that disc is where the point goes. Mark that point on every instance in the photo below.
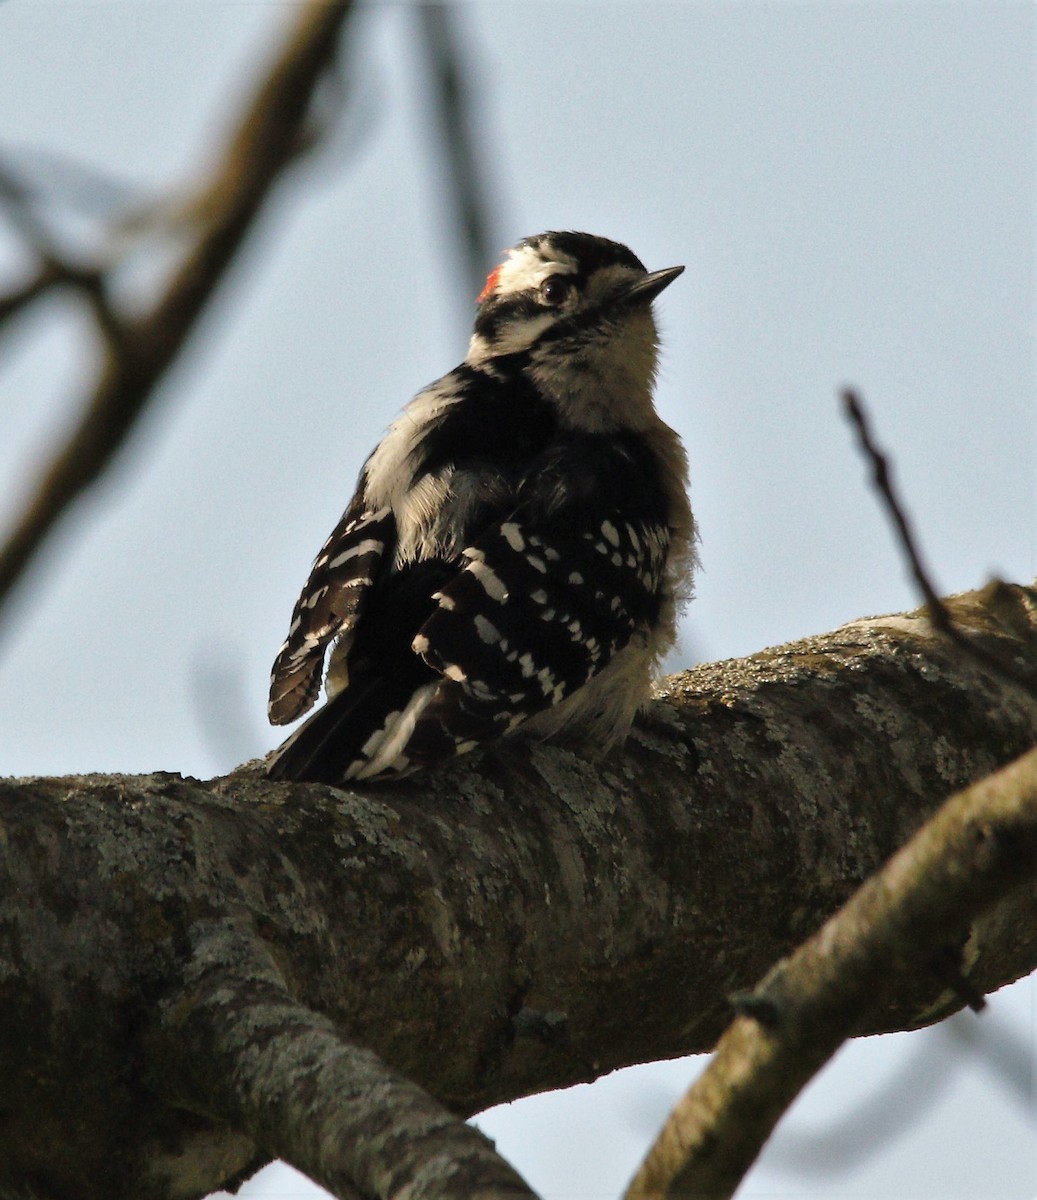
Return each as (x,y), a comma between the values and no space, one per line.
(554,289)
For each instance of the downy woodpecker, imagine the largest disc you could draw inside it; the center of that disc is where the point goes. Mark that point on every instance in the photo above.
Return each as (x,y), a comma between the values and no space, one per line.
(519,543)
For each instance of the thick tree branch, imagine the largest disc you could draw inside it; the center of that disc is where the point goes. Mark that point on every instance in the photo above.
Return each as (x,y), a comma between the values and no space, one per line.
(521,921)
(975,851)
(271,132)
(363,1130)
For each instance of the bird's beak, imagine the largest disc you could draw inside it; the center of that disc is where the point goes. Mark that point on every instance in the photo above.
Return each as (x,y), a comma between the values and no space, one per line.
(645,290)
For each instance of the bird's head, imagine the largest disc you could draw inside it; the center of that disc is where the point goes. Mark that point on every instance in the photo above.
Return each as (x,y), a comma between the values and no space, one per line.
(575,311)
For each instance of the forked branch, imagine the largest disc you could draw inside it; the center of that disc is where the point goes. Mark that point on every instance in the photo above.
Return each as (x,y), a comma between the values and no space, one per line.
(138,350)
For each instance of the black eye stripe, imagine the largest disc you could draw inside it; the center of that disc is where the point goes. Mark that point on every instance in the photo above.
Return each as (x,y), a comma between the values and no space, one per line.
(500,312)
(495,314)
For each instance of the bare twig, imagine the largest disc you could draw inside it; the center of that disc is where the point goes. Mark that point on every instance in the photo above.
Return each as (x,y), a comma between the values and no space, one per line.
(937,610)
(975,850)
(452,102)
(270,134)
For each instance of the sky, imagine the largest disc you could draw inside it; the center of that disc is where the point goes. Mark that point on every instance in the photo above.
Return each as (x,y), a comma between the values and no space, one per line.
(851,187)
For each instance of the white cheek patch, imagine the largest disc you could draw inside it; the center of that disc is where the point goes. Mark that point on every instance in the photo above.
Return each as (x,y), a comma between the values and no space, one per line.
(514,338)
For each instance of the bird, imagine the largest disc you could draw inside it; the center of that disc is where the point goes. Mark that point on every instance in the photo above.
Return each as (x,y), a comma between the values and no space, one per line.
(519,545)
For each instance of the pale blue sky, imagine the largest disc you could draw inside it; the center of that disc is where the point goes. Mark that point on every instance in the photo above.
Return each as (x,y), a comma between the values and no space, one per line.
(851,186)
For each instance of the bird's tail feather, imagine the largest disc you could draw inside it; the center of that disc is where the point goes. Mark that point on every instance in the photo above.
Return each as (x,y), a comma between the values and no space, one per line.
(328,743)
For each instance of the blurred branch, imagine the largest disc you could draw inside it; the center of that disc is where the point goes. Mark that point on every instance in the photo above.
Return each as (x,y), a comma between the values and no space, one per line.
(975,851)
(18,204)
(937,610)
(273,130)
(24,294)
(452,102)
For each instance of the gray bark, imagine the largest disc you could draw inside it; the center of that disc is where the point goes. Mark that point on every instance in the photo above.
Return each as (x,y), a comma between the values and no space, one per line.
(198,976)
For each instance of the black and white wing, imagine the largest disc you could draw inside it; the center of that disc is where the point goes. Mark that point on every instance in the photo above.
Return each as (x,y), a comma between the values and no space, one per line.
(330,606)
(523,626)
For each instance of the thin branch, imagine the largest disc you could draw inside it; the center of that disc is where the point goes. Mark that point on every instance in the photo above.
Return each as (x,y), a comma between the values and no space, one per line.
(271,132)
(453,105)
(89,283)
(937,610)
(974,851)
(16,202)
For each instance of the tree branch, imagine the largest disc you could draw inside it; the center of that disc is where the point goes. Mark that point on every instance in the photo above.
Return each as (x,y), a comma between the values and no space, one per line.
(767,1056)
(24,294)
(518,922)
(337,1112)
(937,610)
(979,847)
(17,201)
(271,132)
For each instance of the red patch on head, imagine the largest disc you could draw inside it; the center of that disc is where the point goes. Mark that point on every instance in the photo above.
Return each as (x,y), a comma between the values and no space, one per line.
(491,283)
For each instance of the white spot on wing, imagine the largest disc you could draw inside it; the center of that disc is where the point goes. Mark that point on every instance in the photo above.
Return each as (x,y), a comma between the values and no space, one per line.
(314,598)
(487,631)
(491,582)
(367,546)
(513,536)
